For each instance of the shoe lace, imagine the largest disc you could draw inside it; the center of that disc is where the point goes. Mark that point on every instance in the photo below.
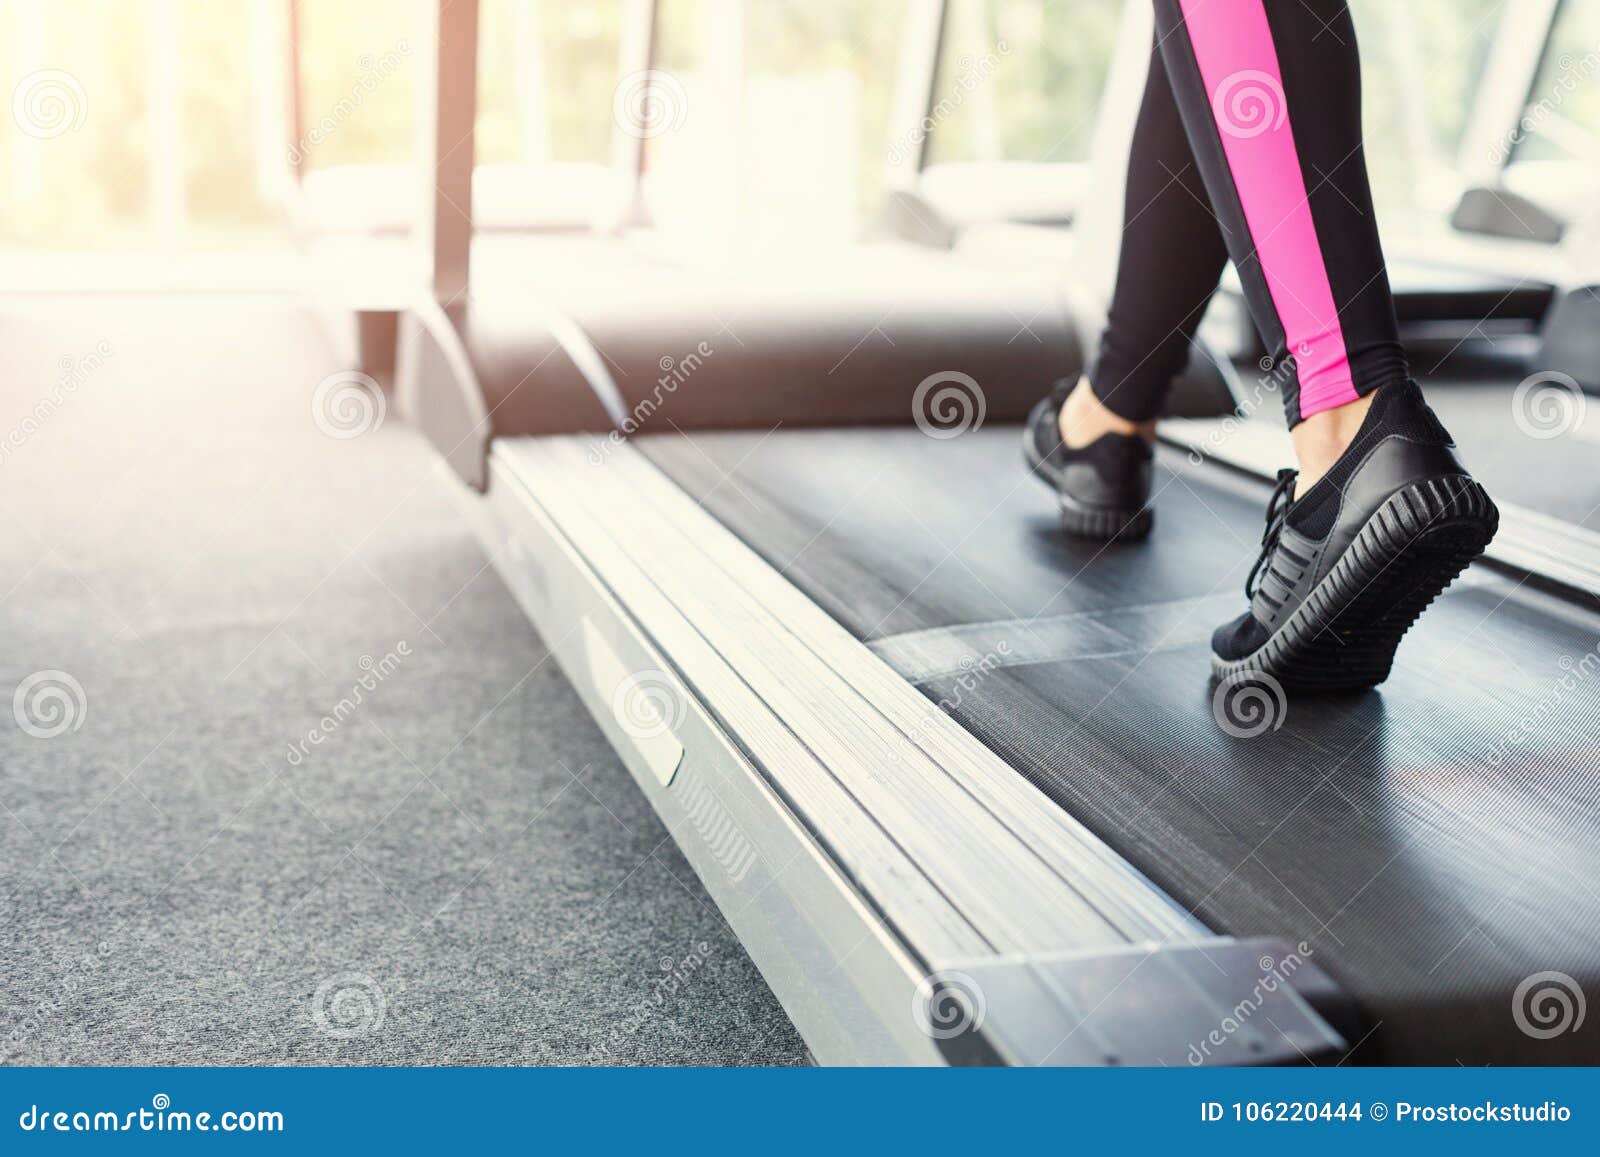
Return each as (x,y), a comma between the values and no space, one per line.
(1277,514)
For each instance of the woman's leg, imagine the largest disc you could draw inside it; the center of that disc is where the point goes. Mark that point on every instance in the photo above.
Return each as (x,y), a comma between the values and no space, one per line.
(1271,97)
(1171,258)
(1383,515)
(1092,441)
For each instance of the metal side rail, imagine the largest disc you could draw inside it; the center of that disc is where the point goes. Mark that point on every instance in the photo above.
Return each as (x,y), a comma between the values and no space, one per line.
(908,897)
(1547,550)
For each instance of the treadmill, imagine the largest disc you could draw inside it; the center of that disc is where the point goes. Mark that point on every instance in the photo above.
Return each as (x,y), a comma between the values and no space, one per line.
(962,786)
(914,740)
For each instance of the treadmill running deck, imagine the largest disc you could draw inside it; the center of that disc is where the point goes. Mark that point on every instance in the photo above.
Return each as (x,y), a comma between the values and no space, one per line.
(1433,843)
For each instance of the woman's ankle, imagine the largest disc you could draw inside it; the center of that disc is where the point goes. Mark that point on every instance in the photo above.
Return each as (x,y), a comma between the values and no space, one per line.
(1320,439)
(1085,417)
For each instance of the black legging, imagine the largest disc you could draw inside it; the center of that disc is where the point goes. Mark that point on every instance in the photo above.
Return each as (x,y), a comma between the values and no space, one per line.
(1248,145)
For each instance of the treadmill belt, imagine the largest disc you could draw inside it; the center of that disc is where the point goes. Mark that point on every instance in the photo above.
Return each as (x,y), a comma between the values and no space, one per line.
(1434,843)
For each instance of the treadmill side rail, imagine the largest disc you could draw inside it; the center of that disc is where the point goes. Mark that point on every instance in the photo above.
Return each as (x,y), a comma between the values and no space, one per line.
(792,907)
(1223,1002)
(642,703)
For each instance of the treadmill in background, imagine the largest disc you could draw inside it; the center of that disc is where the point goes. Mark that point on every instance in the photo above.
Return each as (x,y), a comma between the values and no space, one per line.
(962,786)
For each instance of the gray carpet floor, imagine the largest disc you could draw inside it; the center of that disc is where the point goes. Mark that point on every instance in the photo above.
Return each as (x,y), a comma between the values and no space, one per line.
(194,576)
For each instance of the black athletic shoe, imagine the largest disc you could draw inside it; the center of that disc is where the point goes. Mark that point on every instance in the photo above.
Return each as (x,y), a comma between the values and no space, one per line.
(1104,487)
(1346,569)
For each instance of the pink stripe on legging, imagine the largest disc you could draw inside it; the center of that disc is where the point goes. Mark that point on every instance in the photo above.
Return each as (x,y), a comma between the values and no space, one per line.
(1239,67)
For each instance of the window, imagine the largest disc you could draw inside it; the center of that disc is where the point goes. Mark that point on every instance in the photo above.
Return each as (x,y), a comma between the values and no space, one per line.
(1021,80)
(1562,118)
(547,70)
(1421,65)
(127,120)
(775,116)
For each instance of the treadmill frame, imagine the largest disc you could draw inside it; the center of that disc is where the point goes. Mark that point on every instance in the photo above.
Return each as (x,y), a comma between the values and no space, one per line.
(909,898)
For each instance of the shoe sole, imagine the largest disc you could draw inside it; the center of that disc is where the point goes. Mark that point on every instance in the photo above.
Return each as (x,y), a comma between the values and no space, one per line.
(1101,523)
(1344,636)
